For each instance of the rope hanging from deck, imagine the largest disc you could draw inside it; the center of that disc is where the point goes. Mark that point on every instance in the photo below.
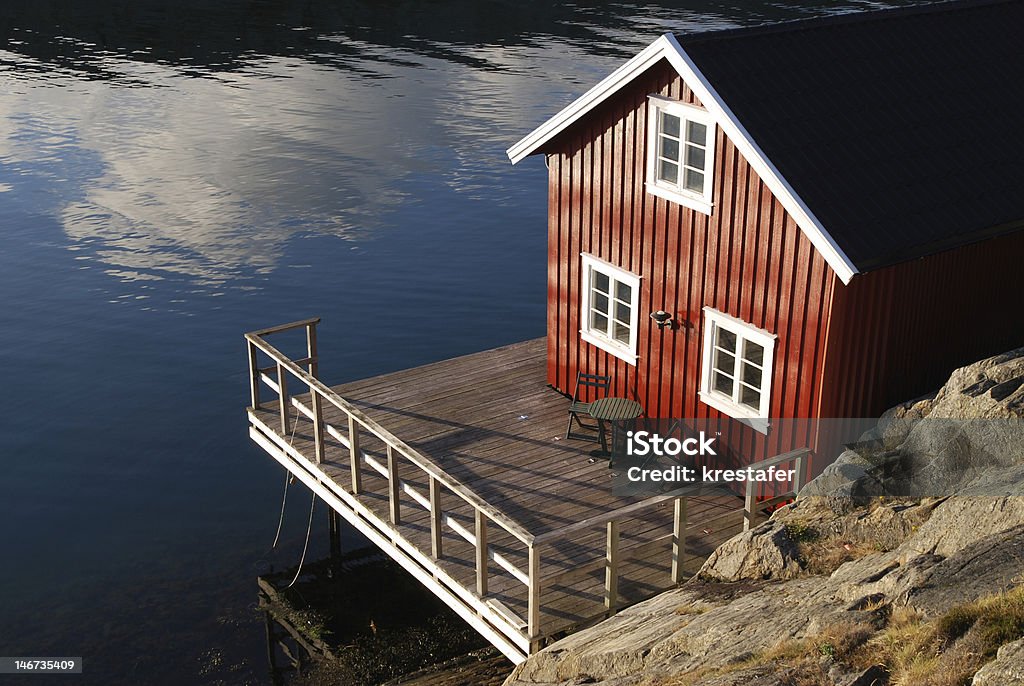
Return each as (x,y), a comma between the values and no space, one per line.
(305,547)
(288,479)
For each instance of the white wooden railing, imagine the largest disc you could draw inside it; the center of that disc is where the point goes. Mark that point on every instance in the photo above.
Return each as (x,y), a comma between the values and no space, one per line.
(400,457)
(798,459)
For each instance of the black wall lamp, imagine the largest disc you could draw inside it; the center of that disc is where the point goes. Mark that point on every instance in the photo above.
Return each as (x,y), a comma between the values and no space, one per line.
(662,318)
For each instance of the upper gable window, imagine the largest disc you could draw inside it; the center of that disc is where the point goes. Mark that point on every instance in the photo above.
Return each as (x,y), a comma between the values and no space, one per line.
(680,153)
(611,296)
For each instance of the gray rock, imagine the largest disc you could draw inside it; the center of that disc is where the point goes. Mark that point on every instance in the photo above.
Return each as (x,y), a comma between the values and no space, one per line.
(1006,670)
(969,433)
(960,522)
(764,552)
(876,675)
(990,565)
(847,482)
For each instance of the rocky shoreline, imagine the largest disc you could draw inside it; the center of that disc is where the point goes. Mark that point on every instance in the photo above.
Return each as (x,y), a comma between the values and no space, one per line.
(903,563)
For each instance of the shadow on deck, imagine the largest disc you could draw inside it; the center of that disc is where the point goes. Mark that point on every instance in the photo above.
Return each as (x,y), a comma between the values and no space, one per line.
(459,470)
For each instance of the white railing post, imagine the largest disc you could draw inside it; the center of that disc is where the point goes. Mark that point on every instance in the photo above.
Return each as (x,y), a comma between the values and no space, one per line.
(314,361)
(611,567)
(394,487)
(319,447)
(533,598)
(678,539)
(801,466)
(748,506)
(354,455)
(282,386)
(481,553)
(254,376)
(435,519)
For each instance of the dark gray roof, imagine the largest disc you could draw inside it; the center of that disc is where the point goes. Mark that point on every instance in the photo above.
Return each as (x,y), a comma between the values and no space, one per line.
(902,130)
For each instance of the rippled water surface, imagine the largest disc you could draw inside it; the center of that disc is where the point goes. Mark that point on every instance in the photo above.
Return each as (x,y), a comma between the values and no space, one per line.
(172,175)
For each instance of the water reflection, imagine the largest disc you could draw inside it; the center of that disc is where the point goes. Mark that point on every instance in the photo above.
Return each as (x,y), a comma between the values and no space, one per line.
(203,138)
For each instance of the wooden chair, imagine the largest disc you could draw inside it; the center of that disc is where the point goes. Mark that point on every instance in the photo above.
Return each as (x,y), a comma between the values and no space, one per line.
(578,407)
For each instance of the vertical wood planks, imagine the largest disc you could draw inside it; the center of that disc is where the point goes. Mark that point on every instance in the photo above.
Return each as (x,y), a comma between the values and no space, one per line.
(747,259)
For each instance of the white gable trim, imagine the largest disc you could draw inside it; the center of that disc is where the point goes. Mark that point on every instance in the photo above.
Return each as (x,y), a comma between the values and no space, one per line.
(668,47)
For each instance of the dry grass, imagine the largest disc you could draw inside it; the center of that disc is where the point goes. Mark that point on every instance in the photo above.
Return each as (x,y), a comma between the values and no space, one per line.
(946,651)
(943,651)
(825,553)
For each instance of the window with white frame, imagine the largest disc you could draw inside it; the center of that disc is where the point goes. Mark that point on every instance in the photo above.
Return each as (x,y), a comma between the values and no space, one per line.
(736,372)
(680,153)
(609,308)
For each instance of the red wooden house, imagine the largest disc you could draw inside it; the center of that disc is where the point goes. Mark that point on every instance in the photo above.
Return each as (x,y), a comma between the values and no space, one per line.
(829,210)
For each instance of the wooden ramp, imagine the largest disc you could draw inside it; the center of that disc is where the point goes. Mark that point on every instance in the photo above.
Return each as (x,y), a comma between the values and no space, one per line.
(459,470)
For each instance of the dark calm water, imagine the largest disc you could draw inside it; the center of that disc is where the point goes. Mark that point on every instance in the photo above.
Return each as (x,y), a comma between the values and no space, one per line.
(173,174)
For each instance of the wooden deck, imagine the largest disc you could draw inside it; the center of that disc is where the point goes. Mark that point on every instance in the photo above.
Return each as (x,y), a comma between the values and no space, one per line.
(462,474)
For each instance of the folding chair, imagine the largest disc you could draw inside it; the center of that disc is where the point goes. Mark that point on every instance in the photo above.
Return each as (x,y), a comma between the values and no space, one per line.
(578,407)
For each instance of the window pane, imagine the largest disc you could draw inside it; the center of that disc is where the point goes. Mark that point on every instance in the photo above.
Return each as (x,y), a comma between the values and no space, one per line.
(623,292)
(599,281)
(598,322)
(751,375)
(600,303)
(668,172)
(752,352)
(694,181)
(620,332)
(670,124)
(726,339)
(725,362)
(623,312)
(669,148)
(696,133)
(722,384)
(695,156)
(750,398)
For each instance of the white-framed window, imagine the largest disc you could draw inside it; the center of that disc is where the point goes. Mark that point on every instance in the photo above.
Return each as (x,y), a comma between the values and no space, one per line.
(680,153)
(736,369)
(608,314)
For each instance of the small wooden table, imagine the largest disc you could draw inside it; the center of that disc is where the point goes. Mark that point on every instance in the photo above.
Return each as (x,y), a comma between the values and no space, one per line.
(613,410)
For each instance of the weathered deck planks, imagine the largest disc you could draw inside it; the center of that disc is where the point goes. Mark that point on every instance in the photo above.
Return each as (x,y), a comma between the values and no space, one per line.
(490,421)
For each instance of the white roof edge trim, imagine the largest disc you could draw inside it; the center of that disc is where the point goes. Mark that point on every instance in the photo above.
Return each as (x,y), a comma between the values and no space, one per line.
(668,47)
(802,215)
(607,87)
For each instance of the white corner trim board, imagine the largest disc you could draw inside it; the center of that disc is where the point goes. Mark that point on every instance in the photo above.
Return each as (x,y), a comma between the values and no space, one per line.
(667,47)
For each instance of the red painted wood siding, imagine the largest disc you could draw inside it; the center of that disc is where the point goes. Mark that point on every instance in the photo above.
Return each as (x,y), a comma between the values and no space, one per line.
(898,332)
(748,259)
